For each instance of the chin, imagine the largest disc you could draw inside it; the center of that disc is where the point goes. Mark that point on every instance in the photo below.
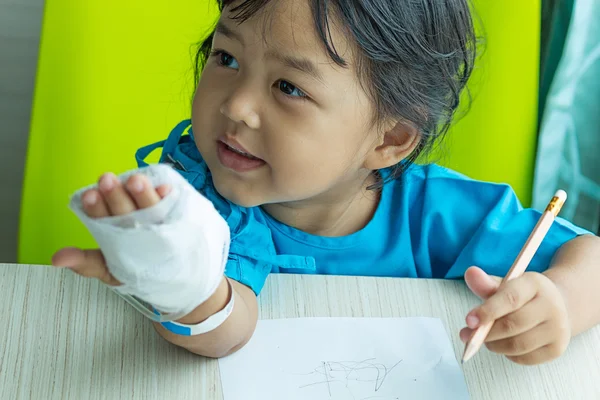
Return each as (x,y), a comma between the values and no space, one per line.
(246,200)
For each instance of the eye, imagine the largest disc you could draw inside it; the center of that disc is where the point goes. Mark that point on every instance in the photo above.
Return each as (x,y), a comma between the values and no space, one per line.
(290,89)
(225,59)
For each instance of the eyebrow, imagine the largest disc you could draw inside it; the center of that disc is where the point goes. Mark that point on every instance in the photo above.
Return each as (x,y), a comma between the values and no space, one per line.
(227,31)
(300,64)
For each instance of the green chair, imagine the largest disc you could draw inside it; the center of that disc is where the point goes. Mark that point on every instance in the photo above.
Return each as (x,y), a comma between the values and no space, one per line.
(113,76)
(496,141)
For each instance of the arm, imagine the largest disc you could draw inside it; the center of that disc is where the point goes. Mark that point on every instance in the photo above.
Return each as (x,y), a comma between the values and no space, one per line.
(233,334)
(117,198)
(575,270)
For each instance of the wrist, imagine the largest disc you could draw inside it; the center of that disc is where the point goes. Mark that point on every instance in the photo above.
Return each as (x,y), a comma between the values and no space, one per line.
(215,303)
(556,275)
(205,318)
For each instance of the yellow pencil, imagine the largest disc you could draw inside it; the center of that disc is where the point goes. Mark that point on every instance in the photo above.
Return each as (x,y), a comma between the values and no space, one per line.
(520,265)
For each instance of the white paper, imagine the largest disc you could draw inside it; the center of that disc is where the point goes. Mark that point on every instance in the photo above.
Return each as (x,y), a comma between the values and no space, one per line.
(345,359)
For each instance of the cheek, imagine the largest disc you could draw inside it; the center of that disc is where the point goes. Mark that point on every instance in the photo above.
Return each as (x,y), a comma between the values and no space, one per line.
(202,99)
(205,108)
(211,89)
(316,156)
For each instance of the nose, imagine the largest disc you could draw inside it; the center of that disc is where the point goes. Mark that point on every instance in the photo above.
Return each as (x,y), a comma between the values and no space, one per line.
(241,107)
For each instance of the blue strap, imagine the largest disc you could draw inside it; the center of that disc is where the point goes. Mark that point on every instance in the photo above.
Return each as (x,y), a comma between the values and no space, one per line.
(143,153)
(175,135)
(168,145)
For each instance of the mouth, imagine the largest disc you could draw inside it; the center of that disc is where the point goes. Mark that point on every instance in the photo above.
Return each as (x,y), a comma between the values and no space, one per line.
(238,149)
(234,157)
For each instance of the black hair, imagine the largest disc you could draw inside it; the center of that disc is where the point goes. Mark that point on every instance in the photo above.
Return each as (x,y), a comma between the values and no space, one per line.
(414,56)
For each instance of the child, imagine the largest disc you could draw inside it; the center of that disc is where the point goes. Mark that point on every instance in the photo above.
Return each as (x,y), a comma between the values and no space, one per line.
(306,122)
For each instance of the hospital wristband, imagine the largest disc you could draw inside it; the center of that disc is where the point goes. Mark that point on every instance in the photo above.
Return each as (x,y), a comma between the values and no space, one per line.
(209,324)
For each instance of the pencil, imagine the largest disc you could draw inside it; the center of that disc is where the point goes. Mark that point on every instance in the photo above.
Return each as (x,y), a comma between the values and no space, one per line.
(520,265)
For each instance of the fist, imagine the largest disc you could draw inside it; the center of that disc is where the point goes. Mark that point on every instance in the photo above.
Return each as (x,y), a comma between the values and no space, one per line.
(531,321)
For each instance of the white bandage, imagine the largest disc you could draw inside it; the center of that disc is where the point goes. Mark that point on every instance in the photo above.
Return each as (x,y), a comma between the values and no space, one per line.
(171,255)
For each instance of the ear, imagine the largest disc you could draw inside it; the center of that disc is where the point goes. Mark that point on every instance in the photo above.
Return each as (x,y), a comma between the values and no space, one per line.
(393,146)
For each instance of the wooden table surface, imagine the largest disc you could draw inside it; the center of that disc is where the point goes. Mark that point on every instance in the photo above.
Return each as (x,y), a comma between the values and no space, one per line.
(66,337)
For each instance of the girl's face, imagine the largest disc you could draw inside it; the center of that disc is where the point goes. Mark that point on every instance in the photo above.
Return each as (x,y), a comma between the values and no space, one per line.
(271,90)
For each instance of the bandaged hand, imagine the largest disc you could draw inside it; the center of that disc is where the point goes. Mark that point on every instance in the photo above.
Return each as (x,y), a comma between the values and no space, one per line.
(531,320)
(160,239)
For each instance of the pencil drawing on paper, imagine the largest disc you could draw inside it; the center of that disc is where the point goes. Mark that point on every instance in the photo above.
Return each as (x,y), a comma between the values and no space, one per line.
(336,376)
(345,359)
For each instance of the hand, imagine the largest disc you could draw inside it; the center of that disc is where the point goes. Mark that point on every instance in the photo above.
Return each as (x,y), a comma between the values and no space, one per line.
(111,198)
(531,321)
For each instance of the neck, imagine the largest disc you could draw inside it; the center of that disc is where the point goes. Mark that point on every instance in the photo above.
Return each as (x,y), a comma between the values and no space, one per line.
(336,213)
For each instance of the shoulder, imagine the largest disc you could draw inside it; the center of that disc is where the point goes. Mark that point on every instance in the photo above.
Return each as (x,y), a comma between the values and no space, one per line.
(435,174)
(437,186)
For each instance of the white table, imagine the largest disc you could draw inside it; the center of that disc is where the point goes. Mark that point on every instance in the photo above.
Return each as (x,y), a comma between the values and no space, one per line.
(66,337)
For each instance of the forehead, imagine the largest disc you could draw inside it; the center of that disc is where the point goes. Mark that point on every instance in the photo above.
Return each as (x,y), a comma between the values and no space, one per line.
(289,26)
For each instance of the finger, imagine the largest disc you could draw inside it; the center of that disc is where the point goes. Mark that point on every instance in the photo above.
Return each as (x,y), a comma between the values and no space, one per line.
(94,205)
(141,190)
(544,354)
(511,296)
(87,263)
(480,283)
(66,257)
(465,334)
(524,319)
(524,343)
(115,195)
(163,190)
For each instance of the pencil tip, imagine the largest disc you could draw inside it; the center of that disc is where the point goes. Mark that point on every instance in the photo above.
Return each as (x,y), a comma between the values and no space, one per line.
(467,354)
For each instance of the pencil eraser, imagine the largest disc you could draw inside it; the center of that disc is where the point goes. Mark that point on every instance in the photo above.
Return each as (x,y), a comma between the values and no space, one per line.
(561,194)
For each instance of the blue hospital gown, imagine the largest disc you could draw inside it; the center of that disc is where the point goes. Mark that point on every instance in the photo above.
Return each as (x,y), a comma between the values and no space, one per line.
(430,223)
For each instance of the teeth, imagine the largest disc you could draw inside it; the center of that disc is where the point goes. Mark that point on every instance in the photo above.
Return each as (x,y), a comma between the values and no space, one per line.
(240,152)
